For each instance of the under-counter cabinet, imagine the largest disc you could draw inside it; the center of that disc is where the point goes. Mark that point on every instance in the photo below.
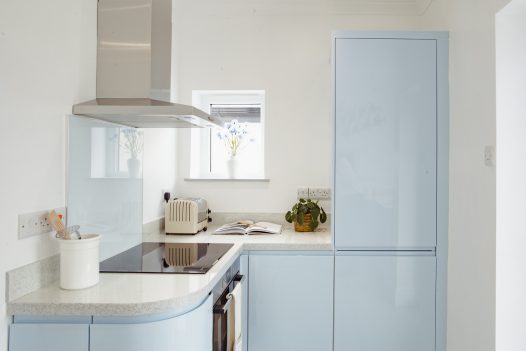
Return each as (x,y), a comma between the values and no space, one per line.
(384,302)
(190,331)
(48,337)
(184,332)
(290,301)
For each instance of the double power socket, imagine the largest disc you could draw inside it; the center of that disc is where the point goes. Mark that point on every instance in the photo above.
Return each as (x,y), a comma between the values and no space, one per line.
(314,193)
(37,223)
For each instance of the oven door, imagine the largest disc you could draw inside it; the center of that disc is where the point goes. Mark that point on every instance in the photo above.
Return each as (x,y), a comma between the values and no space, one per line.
(227,334)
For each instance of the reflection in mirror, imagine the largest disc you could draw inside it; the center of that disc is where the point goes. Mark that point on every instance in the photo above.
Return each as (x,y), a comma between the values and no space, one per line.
(116,152)
(105,182)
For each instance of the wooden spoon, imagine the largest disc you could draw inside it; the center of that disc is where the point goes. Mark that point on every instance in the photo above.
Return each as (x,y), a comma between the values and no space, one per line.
(58,225)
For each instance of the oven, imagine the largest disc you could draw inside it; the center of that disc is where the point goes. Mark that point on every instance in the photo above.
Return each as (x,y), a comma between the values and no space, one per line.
(227,312)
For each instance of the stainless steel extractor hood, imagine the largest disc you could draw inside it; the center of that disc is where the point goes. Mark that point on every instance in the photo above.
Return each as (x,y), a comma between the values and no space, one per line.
(145,113)
(134,69)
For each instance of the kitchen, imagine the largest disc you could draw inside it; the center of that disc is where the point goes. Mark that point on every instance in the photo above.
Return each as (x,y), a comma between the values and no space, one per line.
(289,58)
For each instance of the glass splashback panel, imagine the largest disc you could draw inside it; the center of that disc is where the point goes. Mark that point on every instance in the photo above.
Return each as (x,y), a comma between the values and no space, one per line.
(105,182)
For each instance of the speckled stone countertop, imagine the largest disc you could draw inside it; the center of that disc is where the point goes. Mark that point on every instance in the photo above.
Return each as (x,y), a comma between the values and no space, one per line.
(140,294)
(287,240)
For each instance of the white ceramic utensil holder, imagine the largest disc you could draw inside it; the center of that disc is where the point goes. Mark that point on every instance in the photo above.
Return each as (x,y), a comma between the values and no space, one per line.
(79,262)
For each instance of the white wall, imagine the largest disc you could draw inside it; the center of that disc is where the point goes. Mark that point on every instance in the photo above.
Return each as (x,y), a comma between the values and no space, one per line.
(511,178)
(241,45)
(47,63)
(288,56)
(471,273)
(159,170)
(160,145)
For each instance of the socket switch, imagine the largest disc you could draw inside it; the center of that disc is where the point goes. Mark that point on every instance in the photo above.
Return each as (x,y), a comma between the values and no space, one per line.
(303,193)
(36,223)
(320,193)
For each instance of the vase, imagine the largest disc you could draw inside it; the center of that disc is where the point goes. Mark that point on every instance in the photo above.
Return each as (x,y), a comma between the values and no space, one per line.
(134,167)
(232,165)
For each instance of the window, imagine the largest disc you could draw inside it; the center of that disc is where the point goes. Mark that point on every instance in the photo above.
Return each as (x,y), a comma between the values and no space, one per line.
(211,149)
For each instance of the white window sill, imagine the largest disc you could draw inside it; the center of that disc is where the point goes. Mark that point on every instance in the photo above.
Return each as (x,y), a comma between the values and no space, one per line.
(225,179)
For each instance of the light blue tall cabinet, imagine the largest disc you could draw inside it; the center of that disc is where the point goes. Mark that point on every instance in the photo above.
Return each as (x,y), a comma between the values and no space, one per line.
(390,190)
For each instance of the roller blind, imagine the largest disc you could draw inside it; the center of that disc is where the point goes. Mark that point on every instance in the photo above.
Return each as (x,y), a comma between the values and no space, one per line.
(243,113)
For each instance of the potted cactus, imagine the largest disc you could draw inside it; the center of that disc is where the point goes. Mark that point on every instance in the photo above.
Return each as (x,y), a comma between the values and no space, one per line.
(305,215)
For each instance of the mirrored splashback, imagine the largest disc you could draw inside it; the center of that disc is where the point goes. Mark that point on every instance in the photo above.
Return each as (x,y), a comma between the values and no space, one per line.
(105,182)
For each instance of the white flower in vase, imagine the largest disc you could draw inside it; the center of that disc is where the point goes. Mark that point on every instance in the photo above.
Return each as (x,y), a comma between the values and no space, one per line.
(234,137)
(133,143)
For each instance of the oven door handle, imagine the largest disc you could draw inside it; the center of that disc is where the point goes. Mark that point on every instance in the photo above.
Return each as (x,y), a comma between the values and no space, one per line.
(225,307)
(240,279)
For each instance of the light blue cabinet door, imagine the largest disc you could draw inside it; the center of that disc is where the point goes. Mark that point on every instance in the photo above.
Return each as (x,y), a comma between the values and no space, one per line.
(290,303)
(385,175)
(384,303)
(48,337)
(190,331)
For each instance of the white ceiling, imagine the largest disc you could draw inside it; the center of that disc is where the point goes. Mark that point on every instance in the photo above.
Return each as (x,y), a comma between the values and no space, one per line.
(398,7)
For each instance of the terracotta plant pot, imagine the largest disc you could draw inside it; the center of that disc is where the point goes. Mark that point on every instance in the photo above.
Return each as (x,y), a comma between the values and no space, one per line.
(305,227)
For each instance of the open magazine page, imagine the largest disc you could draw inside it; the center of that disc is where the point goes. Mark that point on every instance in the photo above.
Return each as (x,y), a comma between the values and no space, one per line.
(264,228)
(249,227)
(234,228)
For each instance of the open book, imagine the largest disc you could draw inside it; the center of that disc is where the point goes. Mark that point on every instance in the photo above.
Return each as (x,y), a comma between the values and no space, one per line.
(249,227)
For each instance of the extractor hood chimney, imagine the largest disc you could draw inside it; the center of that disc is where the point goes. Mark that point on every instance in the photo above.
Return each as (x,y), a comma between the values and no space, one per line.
(134,46)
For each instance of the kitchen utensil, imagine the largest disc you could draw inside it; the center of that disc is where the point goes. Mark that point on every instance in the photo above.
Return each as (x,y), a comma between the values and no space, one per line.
(74,230)
(58,225)
(79,262)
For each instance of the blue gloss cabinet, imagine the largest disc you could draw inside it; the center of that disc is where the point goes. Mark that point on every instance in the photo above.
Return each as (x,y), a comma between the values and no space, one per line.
(384,302)
(385,156)
(290,302)
(48,337)
(390,214)
(190,331)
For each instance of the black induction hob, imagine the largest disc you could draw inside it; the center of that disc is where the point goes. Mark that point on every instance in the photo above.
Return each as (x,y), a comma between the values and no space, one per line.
(166,258)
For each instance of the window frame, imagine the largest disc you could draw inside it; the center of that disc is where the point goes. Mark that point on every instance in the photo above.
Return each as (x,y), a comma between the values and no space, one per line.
(200,139)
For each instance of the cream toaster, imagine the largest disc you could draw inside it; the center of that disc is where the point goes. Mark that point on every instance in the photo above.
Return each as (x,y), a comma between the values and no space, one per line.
(186,216)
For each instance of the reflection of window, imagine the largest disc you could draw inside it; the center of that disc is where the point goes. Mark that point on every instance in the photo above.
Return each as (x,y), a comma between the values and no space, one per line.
(209,150)
(116,152)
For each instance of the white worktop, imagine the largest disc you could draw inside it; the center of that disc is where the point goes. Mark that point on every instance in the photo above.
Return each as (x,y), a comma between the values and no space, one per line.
(287,240)
(139,294)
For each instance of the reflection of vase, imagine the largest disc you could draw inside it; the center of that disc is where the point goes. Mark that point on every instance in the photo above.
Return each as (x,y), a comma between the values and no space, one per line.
(134,167)
(231,167)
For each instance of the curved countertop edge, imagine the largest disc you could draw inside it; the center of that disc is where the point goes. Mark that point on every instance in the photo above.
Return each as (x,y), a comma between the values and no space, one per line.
(47,301)
(44,301)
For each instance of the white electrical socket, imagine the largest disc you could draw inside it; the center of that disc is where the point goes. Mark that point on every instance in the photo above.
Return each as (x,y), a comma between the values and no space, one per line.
(319,193)
(36,223)
(303,193)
